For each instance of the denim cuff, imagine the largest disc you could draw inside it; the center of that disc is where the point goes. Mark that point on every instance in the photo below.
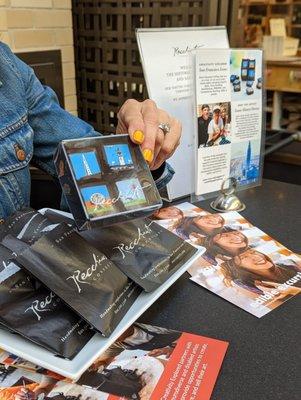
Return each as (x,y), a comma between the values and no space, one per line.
(165,177)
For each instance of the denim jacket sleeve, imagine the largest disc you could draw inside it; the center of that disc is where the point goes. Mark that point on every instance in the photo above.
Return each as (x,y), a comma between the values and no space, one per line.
(51,123)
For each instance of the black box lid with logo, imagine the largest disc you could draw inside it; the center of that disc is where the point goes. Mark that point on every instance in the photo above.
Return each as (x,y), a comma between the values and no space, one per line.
(105,180)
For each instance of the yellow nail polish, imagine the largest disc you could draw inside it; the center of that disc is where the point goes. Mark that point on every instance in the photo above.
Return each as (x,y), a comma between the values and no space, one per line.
(138,136)
(148,155)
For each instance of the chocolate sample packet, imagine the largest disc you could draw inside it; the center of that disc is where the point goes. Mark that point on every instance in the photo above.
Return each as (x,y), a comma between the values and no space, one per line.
(33,311)
(27,225)
(82,276)
(143,250)
(56,217)
(5,256)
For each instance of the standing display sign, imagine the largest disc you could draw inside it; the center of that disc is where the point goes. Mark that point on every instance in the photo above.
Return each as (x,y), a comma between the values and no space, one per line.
(165,56)
(229,118)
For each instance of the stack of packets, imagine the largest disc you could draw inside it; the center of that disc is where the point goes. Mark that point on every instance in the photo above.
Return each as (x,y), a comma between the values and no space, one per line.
(242,264)
(52,279)
(146,362)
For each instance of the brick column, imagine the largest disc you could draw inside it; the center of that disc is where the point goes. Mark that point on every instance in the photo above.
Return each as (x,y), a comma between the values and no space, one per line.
(32,25)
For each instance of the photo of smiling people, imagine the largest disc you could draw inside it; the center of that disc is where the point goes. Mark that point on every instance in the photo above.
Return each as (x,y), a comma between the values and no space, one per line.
(247,267)
(178,218)
(194,224)
(241,263)
(214,124)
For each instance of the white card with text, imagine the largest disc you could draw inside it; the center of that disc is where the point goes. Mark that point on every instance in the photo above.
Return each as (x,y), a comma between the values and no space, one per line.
(166,60)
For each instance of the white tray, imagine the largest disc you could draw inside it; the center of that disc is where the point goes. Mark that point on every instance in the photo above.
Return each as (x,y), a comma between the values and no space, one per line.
(74,368)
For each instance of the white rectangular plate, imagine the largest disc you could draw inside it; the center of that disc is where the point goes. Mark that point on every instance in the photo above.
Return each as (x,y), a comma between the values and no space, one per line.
(98,344)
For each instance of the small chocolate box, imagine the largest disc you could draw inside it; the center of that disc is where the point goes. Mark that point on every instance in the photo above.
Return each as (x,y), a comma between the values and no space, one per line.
(105,180)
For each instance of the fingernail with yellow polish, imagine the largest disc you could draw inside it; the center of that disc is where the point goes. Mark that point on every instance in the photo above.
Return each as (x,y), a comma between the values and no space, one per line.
(148,155)
(138,136)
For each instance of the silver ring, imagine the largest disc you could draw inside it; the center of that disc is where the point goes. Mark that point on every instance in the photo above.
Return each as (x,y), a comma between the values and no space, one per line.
(165,127)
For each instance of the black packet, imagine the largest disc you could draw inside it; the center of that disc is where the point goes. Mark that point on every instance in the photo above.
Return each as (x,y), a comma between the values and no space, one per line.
(146,252)
(5,256)
(56,217)
(137,248)
(84,278)
(31,310)
(27,225)
(105,180)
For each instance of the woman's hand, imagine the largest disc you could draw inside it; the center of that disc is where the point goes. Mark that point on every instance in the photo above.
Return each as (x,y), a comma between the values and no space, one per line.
(141,121)
(164,351)
(288,291)
(197,238)
(25,394)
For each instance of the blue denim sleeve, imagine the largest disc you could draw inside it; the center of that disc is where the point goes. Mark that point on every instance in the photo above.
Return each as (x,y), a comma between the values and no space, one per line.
(166,176)
(49,121)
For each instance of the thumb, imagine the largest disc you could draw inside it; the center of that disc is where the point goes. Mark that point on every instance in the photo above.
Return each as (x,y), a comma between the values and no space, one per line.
(267,283)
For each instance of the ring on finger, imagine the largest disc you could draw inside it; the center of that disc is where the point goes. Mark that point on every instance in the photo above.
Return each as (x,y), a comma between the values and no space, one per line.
(165,127)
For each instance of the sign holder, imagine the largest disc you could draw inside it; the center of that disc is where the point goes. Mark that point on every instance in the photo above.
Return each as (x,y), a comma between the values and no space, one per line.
(229,119)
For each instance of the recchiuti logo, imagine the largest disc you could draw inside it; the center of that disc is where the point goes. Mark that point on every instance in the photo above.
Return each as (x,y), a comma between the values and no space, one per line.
(128,248)
(38,307)
(80,277)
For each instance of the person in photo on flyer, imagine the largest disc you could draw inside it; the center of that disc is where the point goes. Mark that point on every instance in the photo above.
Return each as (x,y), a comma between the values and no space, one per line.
(199,227)
(225,244)
(168,213)
(155,339)
(224,115)
(256,271)
(203,122)
(32,124)
(109,370)
(216,128)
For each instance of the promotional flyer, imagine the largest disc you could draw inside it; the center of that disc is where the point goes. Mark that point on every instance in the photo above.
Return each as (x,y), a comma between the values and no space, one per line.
(165,57)
(147,363)
(241,264)
(228,84)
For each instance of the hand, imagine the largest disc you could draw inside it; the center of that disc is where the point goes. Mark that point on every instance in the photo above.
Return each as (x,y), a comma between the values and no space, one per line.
(24,394)
(289,291)
(166,351)
(197,238)
(141,120)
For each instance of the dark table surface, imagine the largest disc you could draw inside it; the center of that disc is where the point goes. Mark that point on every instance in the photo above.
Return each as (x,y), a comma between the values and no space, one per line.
(263,359)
